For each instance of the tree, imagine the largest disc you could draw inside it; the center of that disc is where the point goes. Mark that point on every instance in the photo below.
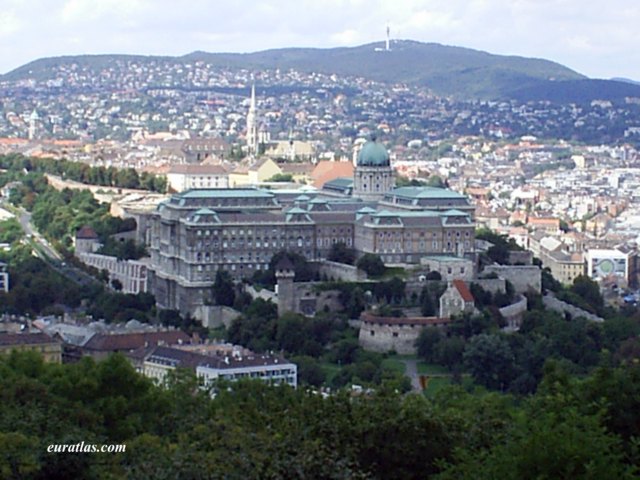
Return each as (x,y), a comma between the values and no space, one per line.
(449,352)
(490,360)
(372,264)
(547,445)
(223,289)
(309,371)
(281,177)
(427,307)
(427,342)
(589,291)
(436,181)
(339,252)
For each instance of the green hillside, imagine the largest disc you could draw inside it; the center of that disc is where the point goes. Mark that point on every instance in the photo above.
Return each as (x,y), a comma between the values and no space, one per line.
(446,70)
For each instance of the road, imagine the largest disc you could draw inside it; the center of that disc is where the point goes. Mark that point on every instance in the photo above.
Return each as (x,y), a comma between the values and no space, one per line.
(411,371)
(46,252)
(49,251)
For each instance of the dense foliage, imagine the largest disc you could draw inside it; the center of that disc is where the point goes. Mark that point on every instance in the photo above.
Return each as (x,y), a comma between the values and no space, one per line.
(81,172)
(372,264)
(571,429)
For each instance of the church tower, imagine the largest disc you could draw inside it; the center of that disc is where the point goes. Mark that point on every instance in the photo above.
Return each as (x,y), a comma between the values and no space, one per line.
(34,120)
(252,124)
(373,176)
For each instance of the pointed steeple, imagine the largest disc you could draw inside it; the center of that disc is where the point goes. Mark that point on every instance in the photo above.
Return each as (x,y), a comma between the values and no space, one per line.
(252,123)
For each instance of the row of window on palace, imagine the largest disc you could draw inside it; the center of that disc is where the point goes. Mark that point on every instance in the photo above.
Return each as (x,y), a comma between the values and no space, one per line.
(275,232)
(435,245)
(265,232)
(273,243)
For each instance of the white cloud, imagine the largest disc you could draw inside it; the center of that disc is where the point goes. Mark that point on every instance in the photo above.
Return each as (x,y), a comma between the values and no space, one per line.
(89,10)
(578,33)
(346,37)
(9,24)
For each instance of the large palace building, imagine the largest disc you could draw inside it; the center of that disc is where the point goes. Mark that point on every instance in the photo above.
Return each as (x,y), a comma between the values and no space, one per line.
(198,232)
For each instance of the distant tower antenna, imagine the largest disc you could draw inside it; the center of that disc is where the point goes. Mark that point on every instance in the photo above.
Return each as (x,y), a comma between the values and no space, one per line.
(387,43)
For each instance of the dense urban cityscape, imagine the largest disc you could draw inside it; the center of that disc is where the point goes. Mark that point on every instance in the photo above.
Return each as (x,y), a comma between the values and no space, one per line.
(277,273)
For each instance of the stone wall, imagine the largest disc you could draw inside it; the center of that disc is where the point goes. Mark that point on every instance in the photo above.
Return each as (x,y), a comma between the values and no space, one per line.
(552,303)
(263,293)
(384,334)
(341,271)
(523,277)
(514,313)
(132,274)
(214,316)
(493,285)
(520,257)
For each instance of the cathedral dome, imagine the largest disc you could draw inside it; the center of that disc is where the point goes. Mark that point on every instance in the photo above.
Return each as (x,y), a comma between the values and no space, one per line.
(373,154)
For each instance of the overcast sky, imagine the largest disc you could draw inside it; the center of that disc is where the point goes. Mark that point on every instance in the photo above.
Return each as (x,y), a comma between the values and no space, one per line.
(594,37)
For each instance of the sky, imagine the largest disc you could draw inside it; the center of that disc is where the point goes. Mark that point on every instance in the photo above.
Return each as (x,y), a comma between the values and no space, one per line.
(600,39)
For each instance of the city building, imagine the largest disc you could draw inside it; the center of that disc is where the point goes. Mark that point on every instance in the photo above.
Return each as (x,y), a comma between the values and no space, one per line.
(198,232)
(4,278)
(196,150)
(132,274)
(614,264)
(255,173)
(49,347)
(101,345)
(185,176)
(158,361)
(456,299)
(449,267)
(86,240)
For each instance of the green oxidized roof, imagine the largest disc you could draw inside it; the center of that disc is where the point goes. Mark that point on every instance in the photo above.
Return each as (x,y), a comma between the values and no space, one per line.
(340,182)
(425,192)
(224,193)
(373,154)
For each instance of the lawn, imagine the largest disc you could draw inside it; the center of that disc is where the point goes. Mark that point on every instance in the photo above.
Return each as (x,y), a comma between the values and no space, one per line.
(432,369)
(435,384)
(393,363)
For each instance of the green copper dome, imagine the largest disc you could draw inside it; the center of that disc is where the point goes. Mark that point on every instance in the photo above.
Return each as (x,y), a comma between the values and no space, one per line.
(373,154)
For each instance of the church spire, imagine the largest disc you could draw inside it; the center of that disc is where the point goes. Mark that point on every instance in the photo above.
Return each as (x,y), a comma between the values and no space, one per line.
(252,123)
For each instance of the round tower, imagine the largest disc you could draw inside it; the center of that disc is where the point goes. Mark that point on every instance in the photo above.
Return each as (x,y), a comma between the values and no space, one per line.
(284,285)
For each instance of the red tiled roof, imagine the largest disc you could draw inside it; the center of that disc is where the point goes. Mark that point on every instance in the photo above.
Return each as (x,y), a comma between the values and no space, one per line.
(368,317)
(201,169)
(87,233)
(464,291)
(325,171)
(25,339)
(132,341)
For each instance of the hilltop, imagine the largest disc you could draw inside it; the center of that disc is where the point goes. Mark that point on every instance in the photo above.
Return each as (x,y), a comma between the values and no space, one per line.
(447,70)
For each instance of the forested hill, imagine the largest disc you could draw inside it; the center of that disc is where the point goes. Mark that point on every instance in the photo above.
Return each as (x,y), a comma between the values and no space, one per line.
(446,70)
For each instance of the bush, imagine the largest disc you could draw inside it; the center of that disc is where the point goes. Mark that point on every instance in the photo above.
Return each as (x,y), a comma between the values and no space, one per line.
(372,264)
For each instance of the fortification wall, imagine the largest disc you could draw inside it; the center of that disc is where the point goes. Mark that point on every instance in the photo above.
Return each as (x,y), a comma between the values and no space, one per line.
(214,316)
(559,306)
(384,334)
(341,271)
(493,285)
(520,257)
(514,313)
(523,277)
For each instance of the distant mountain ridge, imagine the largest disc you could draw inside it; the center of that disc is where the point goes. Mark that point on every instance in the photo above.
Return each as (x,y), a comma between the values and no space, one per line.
(448,71)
